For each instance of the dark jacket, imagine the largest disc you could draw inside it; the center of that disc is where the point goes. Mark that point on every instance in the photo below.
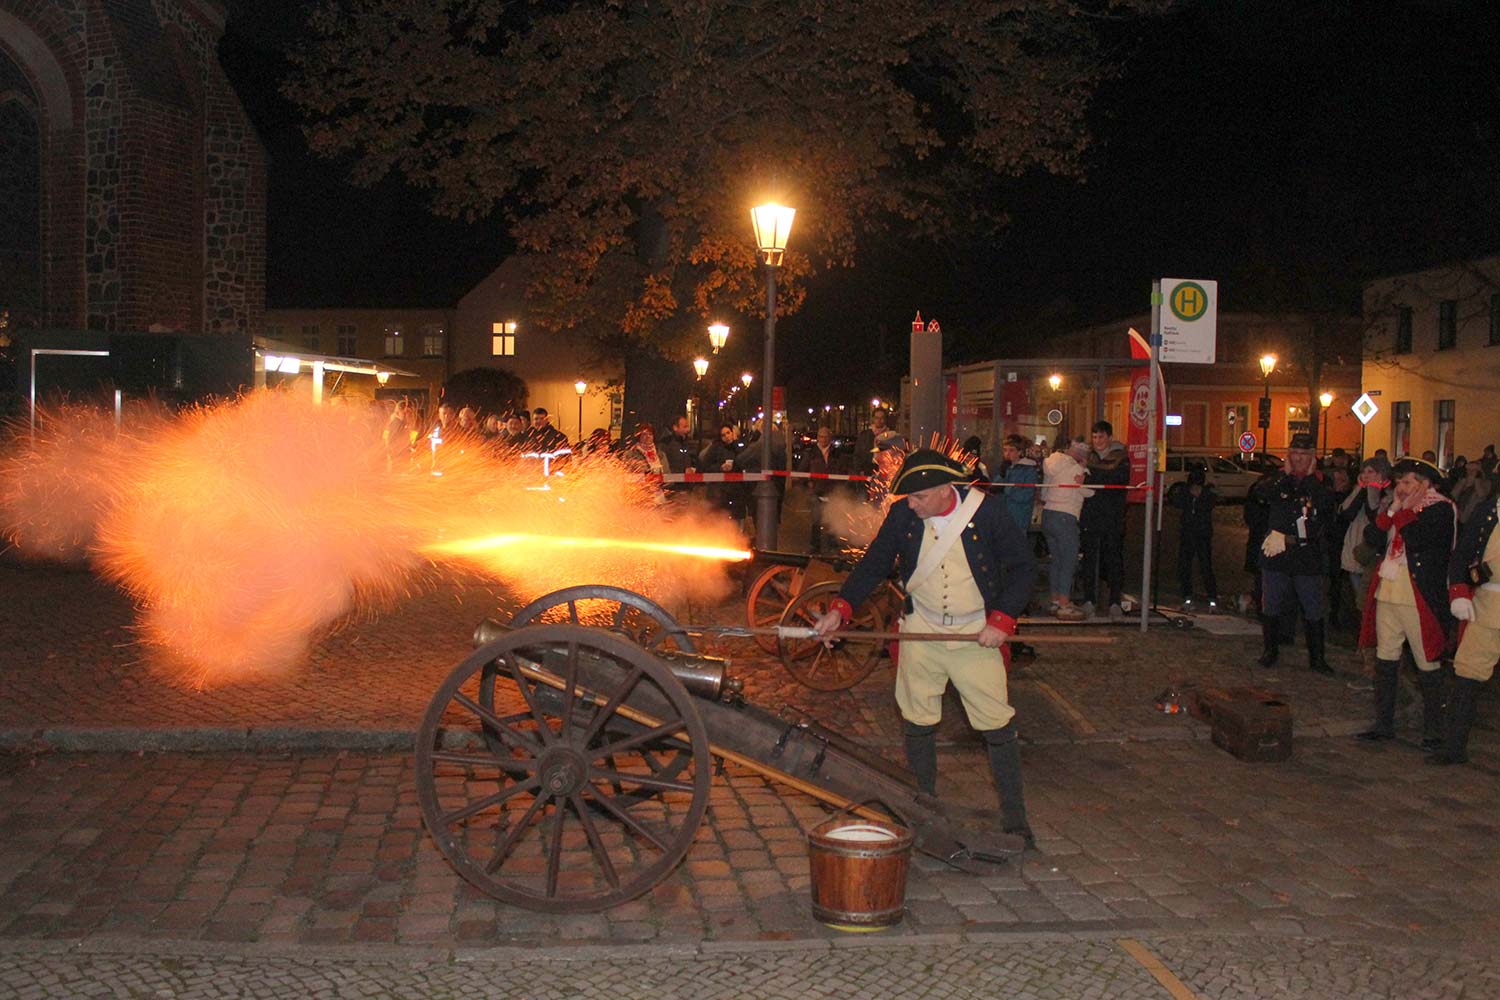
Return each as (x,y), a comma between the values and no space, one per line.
(1021,499)
(1428,539)
(999,556)
(812,461)
(1197,511)
(1466,568)
(1105,510)
(1291,499)
(678,453)
(1257,515)
(544,438)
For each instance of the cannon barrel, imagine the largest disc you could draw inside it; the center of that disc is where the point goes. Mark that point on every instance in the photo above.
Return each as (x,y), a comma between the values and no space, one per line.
(703,676)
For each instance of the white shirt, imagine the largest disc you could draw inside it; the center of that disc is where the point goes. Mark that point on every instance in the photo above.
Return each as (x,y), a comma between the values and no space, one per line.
(1060,467)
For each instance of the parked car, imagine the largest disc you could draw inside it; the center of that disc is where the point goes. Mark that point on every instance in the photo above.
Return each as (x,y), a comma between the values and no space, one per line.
(1228,479)
(1255,461)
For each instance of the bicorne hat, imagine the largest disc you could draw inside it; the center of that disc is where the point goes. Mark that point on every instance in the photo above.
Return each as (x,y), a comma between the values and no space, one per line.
(926,468)
(1416,466)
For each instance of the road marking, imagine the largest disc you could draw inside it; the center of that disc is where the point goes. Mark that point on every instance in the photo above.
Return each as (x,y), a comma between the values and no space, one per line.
(1081,726)
(1153,965)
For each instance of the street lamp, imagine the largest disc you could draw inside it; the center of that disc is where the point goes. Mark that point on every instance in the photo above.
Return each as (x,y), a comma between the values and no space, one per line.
(773,227)
(1325,400)
(1267,366)
(700,365)
(718,336)
(580,387)
(1055,381)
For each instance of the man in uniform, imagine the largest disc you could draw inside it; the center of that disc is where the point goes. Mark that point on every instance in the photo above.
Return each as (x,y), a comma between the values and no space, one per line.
(1294,565)
(1407,601)
(966,568)
(1474,592)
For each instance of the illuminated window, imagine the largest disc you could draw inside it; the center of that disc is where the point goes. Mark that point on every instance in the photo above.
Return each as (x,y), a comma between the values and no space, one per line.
(1297,421)
(1401,429)
(1446,421)
(432,341)
(310,339)
(503,339)
(394,347)
(348,341)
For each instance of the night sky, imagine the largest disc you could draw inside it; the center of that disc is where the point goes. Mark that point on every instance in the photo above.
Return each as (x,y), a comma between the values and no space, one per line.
(1273,146)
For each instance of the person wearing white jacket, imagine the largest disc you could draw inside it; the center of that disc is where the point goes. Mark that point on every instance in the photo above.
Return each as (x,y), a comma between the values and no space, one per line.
(1064,471)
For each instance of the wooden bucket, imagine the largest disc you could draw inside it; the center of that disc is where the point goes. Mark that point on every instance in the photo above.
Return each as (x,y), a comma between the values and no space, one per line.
(858,872)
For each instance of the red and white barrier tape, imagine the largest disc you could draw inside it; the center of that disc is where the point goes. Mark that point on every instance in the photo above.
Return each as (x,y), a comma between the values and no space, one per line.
(759,477)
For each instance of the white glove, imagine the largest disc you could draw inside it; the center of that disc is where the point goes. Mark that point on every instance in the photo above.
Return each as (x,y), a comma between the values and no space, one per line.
(1274,545)
(1462,608)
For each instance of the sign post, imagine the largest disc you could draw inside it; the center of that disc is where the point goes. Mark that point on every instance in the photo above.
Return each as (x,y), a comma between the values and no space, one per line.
(1151,479)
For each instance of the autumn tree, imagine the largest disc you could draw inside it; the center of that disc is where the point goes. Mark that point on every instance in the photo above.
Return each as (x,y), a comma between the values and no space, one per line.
(624,142)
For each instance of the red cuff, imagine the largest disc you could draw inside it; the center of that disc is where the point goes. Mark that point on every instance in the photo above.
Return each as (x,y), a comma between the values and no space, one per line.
(844,608)
(1404,517)
(1001,621)
(1460,590)
(1383,520)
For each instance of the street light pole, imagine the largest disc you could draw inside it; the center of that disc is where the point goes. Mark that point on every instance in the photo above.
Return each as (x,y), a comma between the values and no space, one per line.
(1325,400)
(1267,366)
(773,224)
(580,387)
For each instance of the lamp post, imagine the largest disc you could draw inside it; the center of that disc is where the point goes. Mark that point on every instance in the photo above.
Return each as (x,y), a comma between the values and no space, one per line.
(1325,400)
(745,381)
(580,387)
(773,226)
(1267,366)
(718,336)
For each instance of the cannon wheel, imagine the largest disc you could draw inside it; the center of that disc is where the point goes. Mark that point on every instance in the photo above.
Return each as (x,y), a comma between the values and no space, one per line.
(624,612)
(638,618)
(768,598)
(829,667)
(539,823)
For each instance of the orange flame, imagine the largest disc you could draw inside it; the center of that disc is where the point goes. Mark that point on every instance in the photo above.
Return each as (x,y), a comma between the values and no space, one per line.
(474,546)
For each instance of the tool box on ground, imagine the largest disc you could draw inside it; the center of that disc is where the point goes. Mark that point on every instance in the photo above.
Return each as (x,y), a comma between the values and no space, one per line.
(1252,723)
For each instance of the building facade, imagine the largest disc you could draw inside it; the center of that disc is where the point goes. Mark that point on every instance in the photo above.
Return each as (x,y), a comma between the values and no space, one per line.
(491,330)
(1432,360)
(133,182)
(413,344)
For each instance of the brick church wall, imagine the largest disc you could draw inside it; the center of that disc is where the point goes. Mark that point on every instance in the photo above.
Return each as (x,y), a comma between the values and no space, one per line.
(154,193)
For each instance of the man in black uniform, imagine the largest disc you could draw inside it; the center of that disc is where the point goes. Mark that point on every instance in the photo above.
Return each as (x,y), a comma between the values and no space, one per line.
(1294,564)
(1474,592)
(966,568)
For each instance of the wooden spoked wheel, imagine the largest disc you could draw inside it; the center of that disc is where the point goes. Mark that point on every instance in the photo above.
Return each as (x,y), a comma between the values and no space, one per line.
(833,666)
(638,618)
(768,599)
(580,808)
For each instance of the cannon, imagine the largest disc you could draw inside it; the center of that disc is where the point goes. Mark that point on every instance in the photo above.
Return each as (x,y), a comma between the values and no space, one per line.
(565,765)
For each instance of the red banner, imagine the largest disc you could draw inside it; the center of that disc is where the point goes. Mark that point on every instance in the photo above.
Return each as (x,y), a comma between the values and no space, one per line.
(1137,430)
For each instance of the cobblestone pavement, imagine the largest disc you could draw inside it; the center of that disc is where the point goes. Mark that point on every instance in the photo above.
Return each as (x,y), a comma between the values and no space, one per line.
(293,838)
(1041,968)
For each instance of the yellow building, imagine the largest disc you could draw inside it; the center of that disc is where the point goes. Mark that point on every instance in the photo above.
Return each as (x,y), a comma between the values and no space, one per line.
(1432,360)
(415,341)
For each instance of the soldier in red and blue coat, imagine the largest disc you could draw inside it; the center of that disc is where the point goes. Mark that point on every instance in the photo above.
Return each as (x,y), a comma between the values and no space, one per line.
(966,568)
(1474,600)
(1407,603)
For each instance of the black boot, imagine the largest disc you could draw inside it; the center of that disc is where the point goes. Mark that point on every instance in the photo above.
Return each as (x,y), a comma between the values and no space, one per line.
(1005,765)
(921,754)
(1462,701)
(1270,640)
(1385,703)
(1431,684)
(1315,633)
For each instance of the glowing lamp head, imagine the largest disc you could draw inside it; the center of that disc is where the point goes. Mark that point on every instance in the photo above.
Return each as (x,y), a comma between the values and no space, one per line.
(718,336)
(1267,364)
(746,379)
(700,365)
(773,227)
(382,377)
(1325,399)
(580,387)
(1055,381)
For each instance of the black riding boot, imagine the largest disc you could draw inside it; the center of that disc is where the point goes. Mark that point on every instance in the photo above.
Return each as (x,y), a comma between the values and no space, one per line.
(1005,765)
(1461,704)
(921,754)
(1315,633)
(1385,703)
(1431,684)
(1270,640)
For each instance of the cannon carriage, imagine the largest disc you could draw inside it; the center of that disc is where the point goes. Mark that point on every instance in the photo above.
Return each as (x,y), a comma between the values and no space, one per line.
(565,765)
